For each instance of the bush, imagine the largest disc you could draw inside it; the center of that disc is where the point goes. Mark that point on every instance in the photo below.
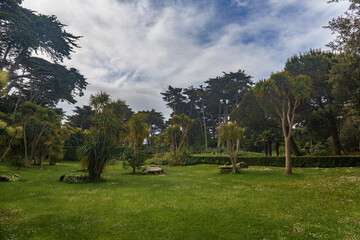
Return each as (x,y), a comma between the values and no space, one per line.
(74,178)
(180,158)
(318,161)
(12,178)
(161,158)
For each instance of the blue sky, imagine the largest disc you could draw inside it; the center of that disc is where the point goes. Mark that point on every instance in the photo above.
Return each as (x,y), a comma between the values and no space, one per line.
(135,49)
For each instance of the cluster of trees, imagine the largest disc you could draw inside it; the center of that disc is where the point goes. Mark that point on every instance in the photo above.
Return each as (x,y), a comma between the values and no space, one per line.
(312,106)
(32,86)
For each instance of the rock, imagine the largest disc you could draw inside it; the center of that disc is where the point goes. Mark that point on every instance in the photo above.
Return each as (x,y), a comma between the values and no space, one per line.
(152,170)
(242,165)
(228,168)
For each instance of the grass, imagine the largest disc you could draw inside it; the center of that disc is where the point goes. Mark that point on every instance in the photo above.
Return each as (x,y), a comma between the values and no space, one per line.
(193,202)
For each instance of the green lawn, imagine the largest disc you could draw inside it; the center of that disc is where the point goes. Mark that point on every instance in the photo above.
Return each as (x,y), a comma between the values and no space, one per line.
(193,202)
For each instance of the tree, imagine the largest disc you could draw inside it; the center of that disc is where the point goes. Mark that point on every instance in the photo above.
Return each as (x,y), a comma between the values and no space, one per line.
(345,74)
(229,136)
(81,118)
(36,121)
(285,94)
(24,33)
(348,29)
(174,99)
(318,65)
(138,132)
(184,123)
(155,121)
(9,136)
(96,152)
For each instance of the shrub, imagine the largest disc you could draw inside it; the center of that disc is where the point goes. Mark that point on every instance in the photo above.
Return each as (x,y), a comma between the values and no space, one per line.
(180,158)
(12,178)
(74,178)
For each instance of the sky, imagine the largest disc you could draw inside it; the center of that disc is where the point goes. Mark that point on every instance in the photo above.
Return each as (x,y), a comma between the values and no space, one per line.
(135,49)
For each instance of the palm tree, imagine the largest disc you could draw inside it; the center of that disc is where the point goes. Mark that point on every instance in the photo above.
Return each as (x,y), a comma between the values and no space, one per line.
(99,101)
(185,123)
(229,136)
(96,152)
(285,94)
(139,130)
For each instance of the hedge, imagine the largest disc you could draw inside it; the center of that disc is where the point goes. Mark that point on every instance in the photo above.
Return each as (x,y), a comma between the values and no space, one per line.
(322,162)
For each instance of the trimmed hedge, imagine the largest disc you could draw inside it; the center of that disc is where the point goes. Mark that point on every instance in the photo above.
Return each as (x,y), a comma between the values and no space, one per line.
(322,162)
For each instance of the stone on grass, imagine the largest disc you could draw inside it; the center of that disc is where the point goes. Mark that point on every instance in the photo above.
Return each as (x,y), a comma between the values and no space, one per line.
(228,168)
(152,170)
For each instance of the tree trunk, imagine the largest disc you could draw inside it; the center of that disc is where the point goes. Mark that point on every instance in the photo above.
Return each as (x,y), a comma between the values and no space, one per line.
(41,161)
(270,147)
(233,161)
(277,146)
(135,156)
(219,112)
(334,134)
(7,150)
(288,169)
(294,147)
(213,125)
(205,128)
(265,149)
(91,169)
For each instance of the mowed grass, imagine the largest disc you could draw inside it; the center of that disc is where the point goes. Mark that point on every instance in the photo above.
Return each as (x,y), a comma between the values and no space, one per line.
(193,202)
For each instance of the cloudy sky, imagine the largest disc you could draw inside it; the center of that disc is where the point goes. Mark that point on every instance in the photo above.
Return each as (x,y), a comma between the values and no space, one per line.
(134,49)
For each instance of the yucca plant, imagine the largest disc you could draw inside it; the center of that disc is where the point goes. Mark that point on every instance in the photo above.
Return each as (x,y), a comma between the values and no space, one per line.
(229,136)
(285,93)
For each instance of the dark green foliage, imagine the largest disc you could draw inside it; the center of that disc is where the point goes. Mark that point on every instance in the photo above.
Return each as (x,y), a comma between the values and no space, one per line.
(180,158)
(134,162)
(82,117)
(51,82)
(71,153)
(25,33)
(318,161)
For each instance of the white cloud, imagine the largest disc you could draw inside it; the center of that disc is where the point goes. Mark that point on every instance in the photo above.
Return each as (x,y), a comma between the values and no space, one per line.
(134,51)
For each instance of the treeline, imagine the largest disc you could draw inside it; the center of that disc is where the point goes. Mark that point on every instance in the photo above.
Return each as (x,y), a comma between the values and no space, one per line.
(326,122)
